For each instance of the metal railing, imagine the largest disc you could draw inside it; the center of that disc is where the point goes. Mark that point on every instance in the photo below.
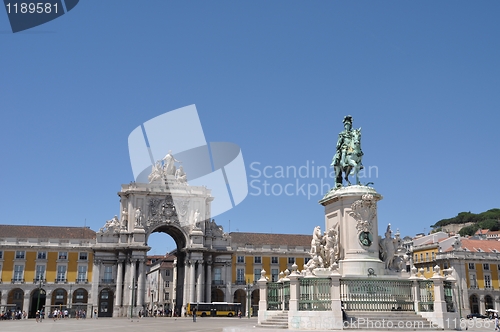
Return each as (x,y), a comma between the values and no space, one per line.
(315,294)
(218,282)
(448,296)
(108,281)
(274,296)
(376,295)
(426,295)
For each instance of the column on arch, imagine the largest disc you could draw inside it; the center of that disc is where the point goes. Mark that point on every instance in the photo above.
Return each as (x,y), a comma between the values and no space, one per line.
(191,281)
(127,283)
(187,271)
(199,282)
(141,280)
(96,273)
(119,283)
(208,284)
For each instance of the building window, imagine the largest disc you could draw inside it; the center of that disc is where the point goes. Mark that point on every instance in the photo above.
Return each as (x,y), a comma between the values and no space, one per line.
(108,273)
(167,284)
(257,260)
(421,257)
(256,274)
(79,294)
(63,255)
(167,273)
(83,256)
(274,260)
(471,266)
(18,273)
(416,258)
(240,276)
(82,273)
(487,281)
(486,266)
(20,254)
(240,259)
(274,275)
(40,273)
(217,276)
(59,294)
(167,296)
(445,265)
(433,256)
(473,282)
(428,268)
(41,255)
(291,260)
(61,273)
(306,260)
(1,255)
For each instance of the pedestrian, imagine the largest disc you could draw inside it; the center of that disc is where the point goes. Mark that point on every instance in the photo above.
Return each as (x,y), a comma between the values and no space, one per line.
(194,314)
(496,322)
(95,313)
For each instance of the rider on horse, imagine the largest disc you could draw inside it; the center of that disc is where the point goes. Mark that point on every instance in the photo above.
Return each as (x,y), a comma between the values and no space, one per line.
(344,148)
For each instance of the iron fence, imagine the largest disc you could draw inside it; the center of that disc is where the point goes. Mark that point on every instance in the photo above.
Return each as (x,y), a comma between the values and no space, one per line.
(376,295)
(315,294)
(426,295)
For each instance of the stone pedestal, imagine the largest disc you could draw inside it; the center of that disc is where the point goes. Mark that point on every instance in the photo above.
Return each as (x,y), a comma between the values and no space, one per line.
(353,212)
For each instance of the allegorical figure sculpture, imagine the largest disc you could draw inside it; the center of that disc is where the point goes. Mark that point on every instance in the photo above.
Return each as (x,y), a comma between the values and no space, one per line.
(169,164)
(180,175)
(138,217)
(348,153)
(324,249)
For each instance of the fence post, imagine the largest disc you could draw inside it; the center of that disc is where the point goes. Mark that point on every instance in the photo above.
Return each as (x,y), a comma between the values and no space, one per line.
(294,292)
(439,301)
(336,301)
(262,282)
(415,289)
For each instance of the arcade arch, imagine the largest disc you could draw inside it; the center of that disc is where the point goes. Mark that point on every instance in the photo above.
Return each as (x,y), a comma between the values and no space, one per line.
(16,297)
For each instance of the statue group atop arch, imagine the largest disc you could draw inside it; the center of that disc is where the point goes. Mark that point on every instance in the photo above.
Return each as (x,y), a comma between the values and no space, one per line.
(165,169)
(348,154)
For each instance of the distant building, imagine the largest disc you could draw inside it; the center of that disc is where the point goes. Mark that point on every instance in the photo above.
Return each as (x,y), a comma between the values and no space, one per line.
(45,266)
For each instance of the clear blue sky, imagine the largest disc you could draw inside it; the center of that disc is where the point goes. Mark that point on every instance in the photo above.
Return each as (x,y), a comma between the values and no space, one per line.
(275,77)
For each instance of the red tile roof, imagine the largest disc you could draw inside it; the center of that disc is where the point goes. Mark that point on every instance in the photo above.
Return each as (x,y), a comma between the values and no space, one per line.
(480,245)
(45,232)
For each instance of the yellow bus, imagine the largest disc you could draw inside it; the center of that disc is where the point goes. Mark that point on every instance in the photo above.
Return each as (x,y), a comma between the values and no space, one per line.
(214,309)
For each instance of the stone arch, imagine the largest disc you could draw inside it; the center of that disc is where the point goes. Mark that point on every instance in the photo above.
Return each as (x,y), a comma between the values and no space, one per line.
(217,295)
(38,297)
(16,296)
(106,297)
(180,238)
(239,296)
(488,302)
(79,299)
(474,303)
(254,302)
(59,297)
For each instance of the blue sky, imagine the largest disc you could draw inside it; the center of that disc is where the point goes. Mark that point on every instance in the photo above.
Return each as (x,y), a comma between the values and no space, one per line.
(422,79)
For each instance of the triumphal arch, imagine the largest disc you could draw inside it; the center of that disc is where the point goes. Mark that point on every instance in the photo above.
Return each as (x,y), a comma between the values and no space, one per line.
(166,204)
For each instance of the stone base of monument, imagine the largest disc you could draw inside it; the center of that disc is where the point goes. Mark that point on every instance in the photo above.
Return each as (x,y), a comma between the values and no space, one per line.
(353,211)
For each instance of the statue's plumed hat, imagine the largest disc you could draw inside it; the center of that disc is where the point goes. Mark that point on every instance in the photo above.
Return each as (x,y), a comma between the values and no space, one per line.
(347,118)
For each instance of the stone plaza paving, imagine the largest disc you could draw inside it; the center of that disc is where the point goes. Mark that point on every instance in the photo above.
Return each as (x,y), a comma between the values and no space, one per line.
(176,324)
(148,324)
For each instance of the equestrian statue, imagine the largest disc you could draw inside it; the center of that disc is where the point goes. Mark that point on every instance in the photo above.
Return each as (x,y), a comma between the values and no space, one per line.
(348,155)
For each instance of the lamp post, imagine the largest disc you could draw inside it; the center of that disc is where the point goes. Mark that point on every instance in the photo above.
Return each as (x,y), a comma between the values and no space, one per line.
(40,284)
(133,288)
(249,292)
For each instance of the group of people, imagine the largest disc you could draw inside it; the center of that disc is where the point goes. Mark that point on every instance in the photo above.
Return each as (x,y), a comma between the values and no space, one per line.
(16,314)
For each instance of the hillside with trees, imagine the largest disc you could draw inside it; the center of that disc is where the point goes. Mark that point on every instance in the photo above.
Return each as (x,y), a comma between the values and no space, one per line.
(484,220)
